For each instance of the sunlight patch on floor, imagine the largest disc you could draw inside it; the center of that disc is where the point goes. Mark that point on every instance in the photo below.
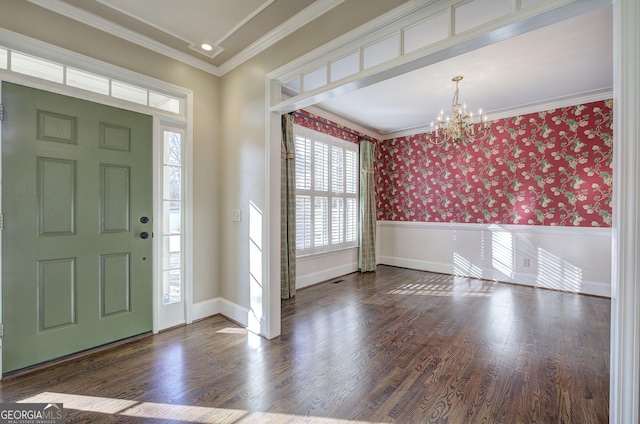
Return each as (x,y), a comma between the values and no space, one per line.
(233,330)
(446,285)
(189,413)
(470,288)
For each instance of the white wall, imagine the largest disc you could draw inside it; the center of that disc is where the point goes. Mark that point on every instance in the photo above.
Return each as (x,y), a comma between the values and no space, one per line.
(316,269)
(562,258)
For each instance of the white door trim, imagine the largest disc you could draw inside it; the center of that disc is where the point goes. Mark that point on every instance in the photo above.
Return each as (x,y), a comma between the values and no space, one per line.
(625,289)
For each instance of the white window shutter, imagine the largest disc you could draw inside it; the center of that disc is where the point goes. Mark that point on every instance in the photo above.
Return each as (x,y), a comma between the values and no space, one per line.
(321,222)
(327,180)
(337,169)
(321,166)
(352,172)
(303,163)
(303,223)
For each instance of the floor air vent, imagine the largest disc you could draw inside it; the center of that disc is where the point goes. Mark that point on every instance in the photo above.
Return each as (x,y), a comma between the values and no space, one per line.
(338,281)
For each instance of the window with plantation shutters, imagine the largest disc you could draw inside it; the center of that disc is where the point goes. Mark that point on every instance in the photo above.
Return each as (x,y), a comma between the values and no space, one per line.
(326,192)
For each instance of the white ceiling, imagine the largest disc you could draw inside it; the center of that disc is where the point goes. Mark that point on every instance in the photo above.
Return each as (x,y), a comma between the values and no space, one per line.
(568,59)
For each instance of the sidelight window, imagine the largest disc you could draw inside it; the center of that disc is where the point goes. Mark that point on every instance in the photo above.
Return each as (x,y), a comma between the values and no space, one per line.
(172,268)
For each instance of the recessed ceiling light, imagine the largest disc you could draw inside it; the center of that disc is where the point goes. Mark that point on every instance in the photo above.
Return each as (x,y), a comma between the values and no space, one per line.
(206,47)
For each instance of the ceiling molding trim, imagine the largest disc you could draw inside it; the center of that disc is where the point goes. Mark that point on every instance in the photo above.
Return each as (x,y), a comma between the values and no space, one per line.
(581,98)
(244,21)
(104,25)
(555,103)
(140,19)
(323,113)
(318,8)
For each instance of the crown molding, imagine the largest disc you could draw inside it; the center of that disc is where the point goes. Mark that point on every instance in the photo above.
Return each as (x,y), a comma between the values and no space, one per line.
(125,12)
(317,8)
(555,103)
(323,113)
(109,27)
(247,18)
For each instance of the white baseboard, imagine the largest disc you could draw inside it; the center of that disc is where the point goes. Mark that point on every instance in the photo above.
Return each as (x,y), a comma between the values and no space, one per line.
(221,306)
(597,288)
(205,309)
(234,312)
(324,275)
(585,287)
(416,264)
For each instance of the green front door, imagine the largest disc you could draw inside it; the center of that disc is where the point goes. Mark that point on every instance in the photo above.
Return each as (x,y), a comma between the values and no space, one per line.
(77,203)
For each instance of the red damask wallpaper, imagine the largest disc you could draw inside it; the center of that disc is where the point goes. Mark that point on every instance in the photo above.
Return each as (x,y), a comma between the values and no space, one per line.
(546,168)
(320,124)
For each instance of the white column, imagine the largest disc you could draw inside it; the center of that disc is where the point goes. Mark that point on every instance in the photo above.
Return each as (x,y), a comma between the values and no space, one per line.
(271,325)
(625,300)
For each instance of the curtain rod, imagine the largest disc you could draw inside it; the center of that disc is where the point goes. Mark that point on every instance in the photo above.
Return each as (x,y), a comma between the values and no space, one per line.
(327,124)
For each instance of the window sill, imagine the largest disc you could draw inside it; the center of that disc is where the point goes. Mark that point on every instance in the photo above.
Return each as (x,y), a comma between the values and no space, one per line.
(329,253)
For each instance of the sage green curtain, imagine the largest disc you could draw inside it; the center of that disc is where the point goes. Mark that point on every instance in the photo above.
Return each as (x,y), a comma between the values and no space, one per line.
(367,208)
(288,210)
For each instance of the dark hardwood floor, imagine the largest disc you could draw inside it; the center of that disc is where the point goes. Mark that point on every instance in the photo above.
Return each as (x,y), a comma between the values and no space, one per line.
(395,346)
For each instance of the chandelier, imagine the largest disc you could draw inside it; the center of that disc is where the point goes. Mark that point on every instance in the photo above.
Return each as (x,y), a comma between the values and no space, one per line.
(461,125)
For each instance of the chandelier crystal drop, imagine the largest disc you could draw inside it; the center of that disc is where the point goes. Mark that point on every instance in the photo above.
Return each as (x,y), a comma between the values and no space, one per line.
(460,126)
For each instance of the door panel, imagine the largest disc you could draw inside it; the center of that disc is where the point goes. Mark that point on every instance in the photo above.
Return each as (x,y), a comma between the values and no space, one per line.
(56,293)
(77,178)
(56,196)
(114,206)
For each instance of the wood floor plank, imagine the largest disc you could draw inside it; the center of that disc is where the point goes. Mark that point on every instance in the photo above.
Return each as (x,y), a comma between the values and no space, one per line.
(395,346)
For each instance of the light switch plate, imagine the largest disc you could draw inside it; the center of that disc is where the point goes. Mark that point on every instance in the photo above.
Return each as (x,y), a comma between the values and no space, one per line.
(236,215)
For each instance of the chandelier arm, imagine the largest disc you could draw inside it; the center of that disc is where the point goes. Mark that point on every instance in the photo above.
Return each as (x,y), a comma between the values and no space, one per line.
(461,126)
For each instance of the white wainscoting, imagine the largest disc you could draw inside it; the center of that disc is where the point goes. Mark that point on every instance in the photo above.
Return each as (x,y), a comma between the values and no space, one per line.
(315,269)
(574,259)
